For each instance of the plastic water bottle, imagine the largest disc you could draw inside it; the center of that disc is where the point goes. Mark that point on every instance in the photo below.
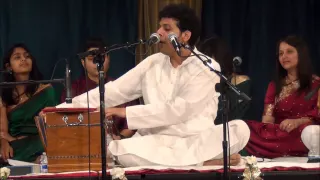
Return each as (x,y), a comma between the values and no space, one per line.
(110,157)
(44,163)
(108,139)
(109,129)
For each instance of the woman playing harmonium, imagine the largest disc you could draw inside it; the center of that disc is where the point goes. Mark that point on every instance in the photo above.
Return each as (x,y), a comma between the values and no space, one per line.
(289,123)
(20,104)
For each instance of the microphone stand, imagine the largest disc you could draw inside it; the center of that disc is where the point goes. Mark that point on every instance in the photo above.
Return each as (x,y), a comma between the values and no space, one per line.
(99,60)
(222,87)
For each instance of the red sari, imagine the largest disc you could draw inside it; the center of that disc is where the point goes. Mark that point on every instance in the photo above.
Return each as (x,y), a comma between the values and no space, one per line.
(268,140)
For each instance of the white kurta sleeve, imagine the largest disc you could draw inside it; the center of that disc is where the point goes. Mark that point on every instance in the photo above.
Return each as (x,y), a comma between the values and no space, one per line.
(126,88)
(197,95)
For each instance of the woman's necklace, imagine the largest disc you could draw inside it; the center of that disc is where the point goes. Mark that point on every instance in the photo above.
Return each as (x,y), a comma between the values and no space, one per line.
(20,96)
(288,81)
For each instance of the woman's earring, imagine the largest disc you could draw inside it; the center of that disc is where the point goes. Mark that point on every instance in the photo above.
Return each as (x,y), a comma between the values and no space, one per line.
(10,71)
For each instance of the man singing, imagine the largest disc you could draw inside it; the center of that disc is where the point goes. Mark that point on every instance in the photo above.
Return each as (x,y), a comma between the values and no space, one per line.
(176,123)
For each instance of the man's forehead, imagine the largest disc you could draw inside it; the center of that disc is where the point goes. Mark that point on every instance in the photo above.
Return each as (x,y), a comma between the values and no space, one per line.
(169,21)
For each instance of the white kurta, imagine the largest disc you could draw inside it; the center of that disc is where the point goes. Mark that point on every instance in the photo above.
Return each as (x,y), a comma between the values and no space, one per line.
(177,120)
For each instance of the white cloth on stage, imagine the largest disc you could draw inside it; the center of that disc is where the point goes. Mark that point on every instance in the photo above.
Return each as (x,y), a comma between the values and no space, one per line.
(176,123)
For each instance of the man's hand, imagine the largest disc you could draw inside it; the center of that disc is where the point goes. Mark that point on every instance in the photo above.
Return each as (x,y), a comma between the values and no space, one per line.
(119,112)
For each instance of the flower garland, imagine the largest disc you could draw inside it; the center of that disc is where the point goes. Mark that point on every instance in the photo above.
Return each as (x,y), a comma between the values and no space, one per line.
(4,173)
(118,174)
(251,171)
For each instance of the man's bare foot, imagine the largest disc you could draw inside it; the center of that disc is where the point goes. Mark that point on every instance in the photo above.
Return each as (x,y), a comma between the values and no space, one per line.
(234,160)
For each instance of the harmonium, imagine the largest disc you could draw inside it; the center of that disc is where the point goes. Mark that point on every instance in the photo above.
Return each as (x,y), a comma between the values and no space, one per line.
(70,141)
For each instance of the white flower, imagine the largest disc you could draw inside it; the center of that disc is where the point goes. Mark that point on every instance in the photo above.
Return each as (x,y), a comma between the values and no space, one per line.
(5,172)
(251,160)
(118,173)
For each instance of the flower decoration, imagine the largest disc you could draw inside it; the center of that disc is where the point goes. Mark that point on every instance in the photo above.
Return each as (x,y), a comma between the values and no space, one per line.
(5,173)
(251,171)
(118,174)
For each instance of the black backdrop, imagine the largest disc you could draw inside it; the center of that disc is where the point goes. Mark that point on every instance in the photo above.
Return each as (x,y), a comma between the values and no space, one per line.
(55,29)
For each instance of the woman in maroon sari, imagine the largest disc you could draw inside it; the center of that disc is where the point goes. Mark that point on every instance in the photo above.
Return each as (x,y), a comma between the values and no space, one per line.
(286,112)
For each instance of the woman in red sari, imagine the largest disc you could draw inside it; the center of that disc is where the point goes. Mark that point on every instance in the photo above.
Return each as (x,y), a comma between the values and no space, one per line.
(286,112)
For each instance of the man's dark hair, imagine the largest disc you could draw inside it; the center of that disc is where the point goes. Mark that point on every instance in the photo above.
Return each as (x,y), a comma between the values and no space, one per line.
(186,17)
(93,42)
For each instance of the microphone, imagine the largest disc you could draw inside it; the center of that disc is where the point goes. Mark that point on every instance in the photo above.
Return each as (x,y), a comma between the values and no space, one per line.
(310,94)
(68,84)
(237,61)
(154,39)
(174,41)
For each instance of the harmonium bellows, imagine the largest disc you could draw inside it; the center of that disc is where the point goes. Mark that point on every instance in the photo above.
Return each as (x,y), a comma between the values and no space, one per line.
(65,135)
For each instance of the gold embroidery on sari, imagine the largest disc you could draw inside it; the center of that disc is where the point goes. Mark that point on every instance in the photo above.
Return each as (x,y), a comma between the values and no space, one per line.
(268,110)
(287,90)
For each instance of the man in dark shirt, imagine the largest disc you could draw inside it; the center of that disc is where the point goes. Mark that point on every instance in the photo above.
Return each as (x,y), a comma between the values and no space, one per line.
(79,86)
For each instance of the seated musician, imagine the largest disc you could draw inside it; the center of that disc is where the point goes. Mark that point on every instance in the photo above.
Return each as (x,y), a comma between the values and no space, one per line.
(176,123)
(218,49)
(20,104)
(90,69)
(290,124)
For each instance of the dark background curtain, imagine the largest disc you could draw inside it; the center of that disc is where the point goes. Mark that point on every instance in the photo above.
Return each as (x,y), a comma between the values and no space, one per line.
(56,29)
(253,27)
